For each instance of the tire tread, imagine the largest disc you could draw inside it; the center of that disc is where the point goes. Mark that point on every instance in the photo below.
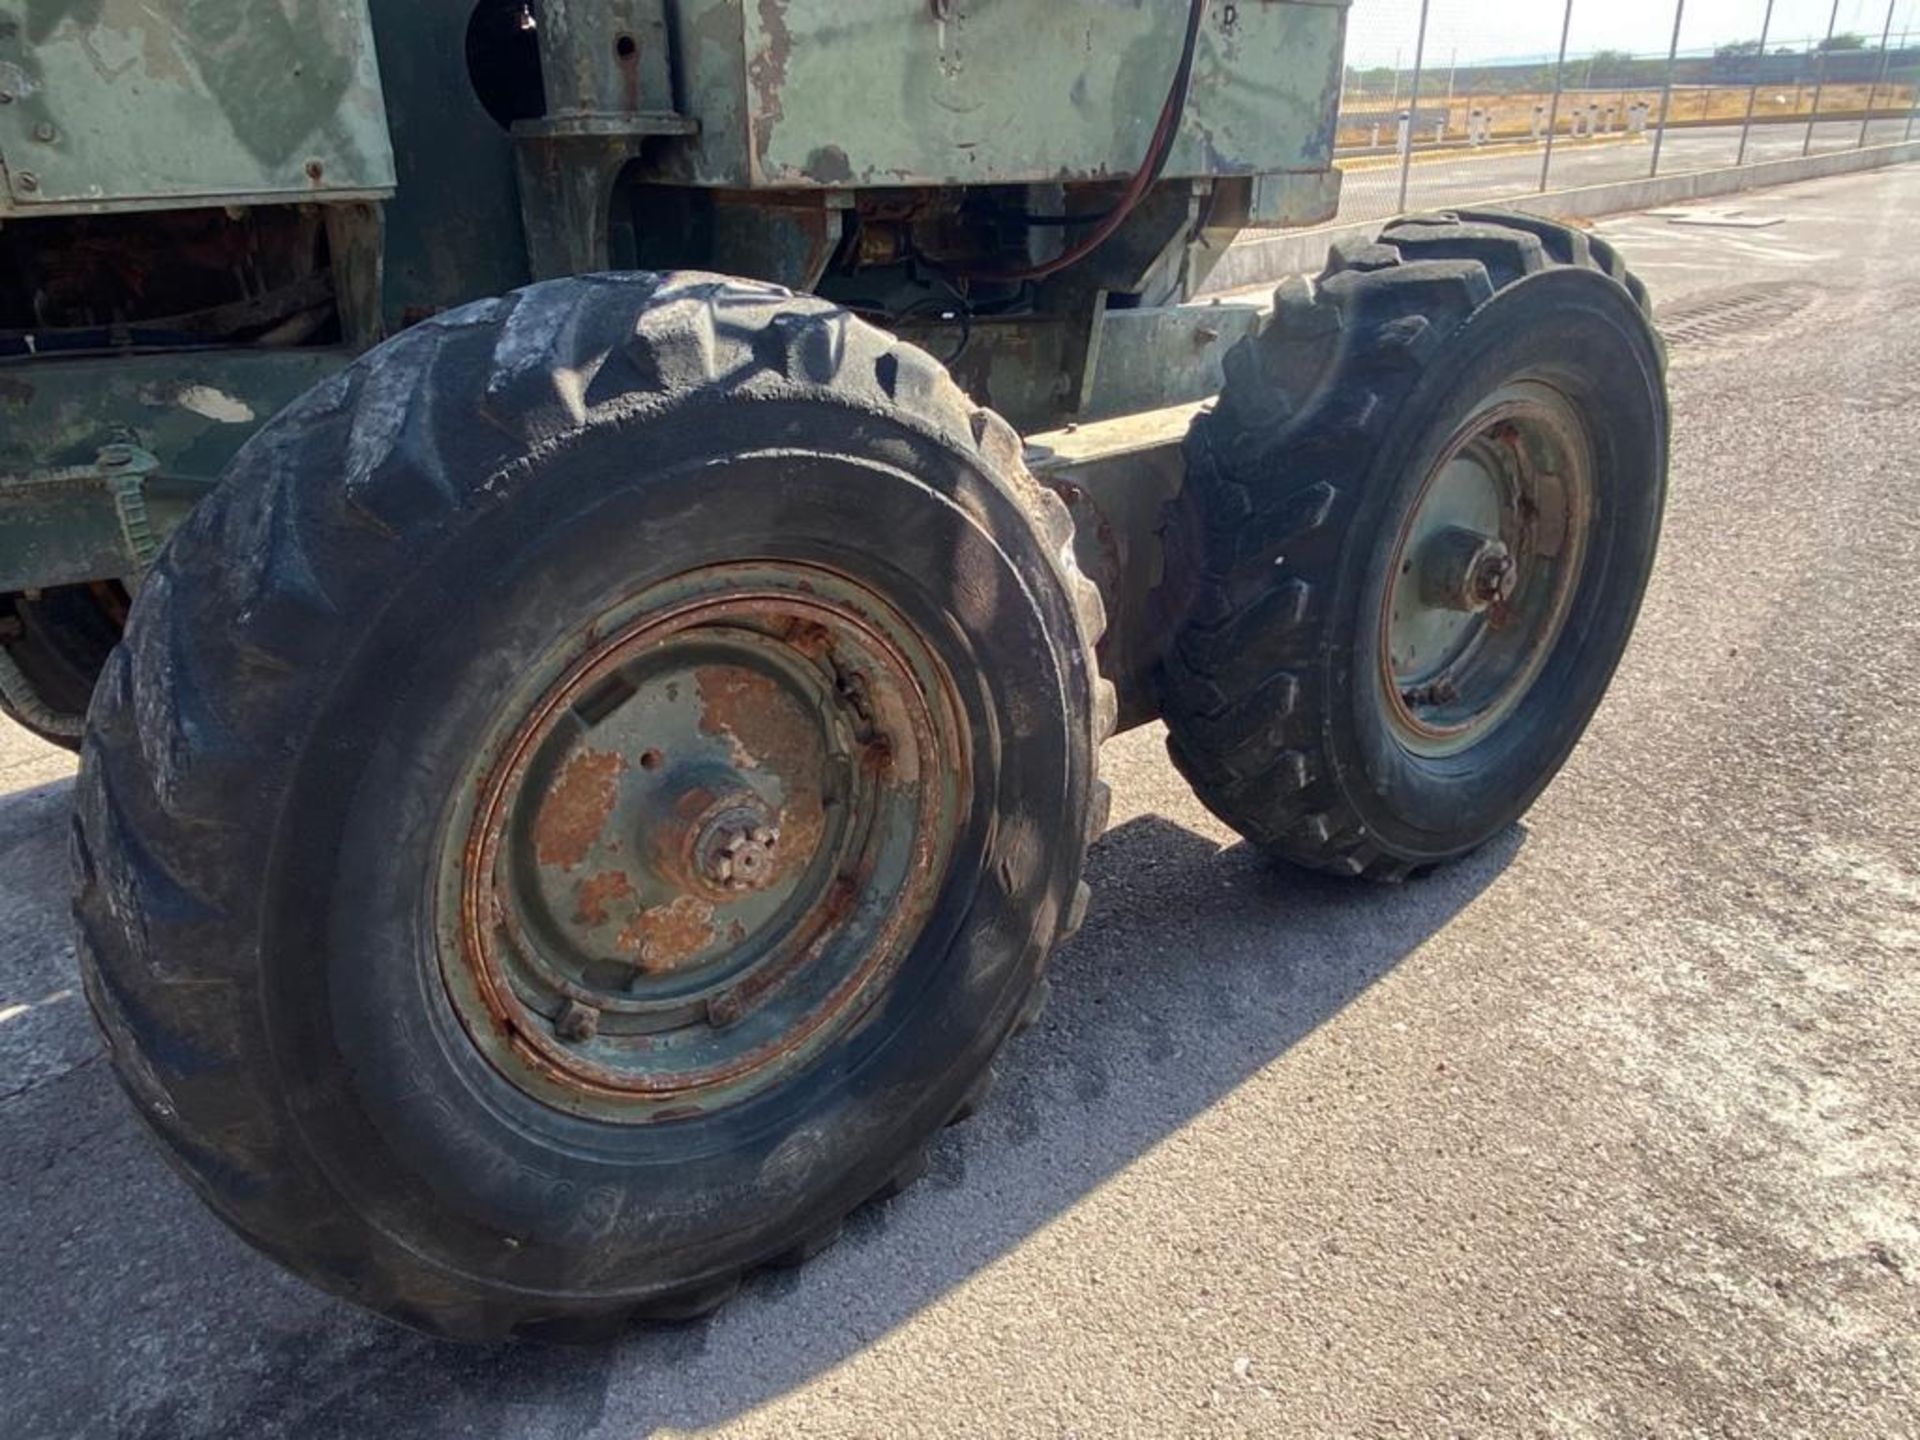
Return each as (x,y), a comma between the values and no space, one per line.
(197,721)
(1320,384)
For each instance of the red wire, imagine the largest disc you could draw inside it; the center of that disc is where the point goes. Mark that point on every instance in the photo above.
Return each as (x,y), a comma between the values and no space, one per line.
(1158,149)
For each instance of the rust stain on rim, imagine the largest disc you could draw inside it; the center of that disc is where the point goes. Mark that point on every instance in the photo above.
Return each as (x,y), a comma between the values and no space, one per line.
(662,939)
(481,921)
(577,806)
(768,732)
(595,896)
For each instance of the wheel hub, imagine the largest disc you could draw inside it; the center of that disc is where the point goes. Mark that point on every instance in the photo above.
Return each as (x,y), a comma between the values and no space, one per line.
(702,843)
(1485,568)
(739,854)
(1461,569)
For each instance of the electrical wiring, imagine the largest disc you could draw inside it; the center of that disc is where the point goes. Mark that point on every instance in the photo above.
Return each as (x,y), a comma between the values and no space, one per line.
(1159,149)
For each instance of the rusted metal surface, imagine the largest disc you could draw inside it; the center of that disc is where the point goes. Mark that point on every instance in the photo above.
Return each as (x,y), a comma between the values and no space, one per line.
(596,895)
(576,807)
(662,938)
(716,825)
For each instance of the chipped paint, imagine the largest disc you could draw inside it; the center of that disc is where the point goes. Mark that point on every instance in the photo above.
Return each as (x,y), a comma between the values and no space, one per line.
(664,938)
(767,77)
(787,679)
(764,724)
(576,807)
(216,405)
(1006,93)
(593,895)
(770,731)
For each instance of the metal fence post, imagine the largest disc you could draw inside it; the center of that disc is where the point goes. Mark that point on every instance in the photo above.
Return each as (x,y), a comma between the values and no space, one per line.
(1413,105)
(1559,83)
(1753,91)
(1820,79)
(1866,121)
(1666,88)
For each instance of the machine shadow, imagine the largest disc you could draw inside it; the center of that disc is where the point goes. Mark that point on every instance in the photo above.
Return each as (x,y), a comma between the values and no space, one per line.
(1197,968)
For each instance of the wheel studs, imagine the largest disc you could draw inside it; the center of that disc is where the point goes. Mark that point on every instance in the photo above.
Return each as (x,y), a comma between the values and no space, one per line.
(1440,692)
(1492,580)
(1461,569)
(743,859)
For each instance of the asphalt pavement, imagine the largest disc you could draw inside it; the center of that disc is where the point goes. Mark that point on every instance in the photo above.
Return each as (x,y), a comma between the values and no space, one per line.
(1612,1130)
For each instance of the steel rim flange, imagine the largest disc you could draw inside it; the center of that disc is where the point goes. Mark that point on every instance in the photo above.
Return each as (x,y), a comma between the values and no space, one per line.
(700,841)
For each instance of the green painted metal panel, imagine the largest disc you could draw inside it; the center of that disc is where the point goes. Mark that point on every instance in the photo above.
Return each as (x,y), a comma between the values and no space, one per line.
(192,411)
(892,92)
(453,225)
(148,104)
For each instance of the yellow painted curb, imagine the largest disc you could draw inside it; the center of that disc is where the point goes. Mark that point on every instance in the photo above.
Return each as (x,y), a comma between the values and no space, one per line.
(1485,152)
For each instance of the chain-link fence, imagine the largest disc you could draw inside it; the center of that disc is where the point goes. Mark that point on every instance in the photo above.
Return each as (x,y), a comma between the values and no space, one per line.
(1447,102)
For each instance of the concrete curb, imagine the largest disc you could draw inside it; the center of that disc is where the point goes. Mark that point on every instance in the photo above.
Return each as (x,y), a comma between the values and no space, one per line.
(1266,259)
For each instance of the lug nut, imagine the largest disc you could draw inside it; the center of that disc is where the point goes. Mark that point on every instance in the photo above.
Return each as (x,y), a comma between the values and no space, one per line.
(1440,692)
(1461,569)
(744,860)
(1493,578)
(576,1022)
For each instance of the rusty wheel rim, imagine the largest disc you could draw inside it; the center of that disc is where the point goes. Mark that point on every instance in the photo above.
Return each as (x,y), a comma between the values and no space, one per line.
(1484,569)
(700,841)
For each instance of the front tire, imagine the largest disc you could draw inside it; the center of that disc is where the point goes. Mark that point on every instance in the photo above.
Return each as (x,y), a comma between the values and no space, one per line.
(1415,536)
(586,800)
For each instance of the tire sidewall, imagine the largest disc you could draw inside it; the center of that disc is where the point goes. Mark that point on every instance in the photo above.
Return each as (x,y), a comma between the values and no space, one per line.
(426,1141)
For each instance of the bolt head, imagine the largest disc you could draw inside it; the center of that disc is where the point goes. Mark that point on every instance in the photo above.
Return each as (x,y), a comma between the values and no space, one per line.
(744,859)
(27,181)
(576,1022)
(44,132)
(1494,577)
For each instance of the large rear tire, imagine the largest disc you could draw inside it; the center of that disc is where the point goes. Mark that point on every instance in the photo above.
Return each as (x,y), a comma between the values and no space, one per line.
(586,799)
(1414,539)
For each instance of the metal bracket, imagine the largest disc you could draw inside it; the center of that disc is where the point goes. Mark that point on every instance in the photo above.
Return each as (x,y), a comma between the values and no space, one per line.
(57,520)
(125,470)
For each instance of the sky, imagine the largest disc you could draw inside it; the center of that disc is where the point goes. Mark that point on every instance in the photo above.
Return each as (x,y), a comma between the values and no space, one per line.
(1502,29)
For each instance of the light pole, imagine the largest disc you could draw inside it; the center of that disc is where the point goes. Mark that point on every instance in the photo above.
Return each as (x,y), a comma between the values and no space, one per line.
(1666,90)
(1753,92)
(1820,79)
(1413,104)
(1866,121)
(1559,79)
